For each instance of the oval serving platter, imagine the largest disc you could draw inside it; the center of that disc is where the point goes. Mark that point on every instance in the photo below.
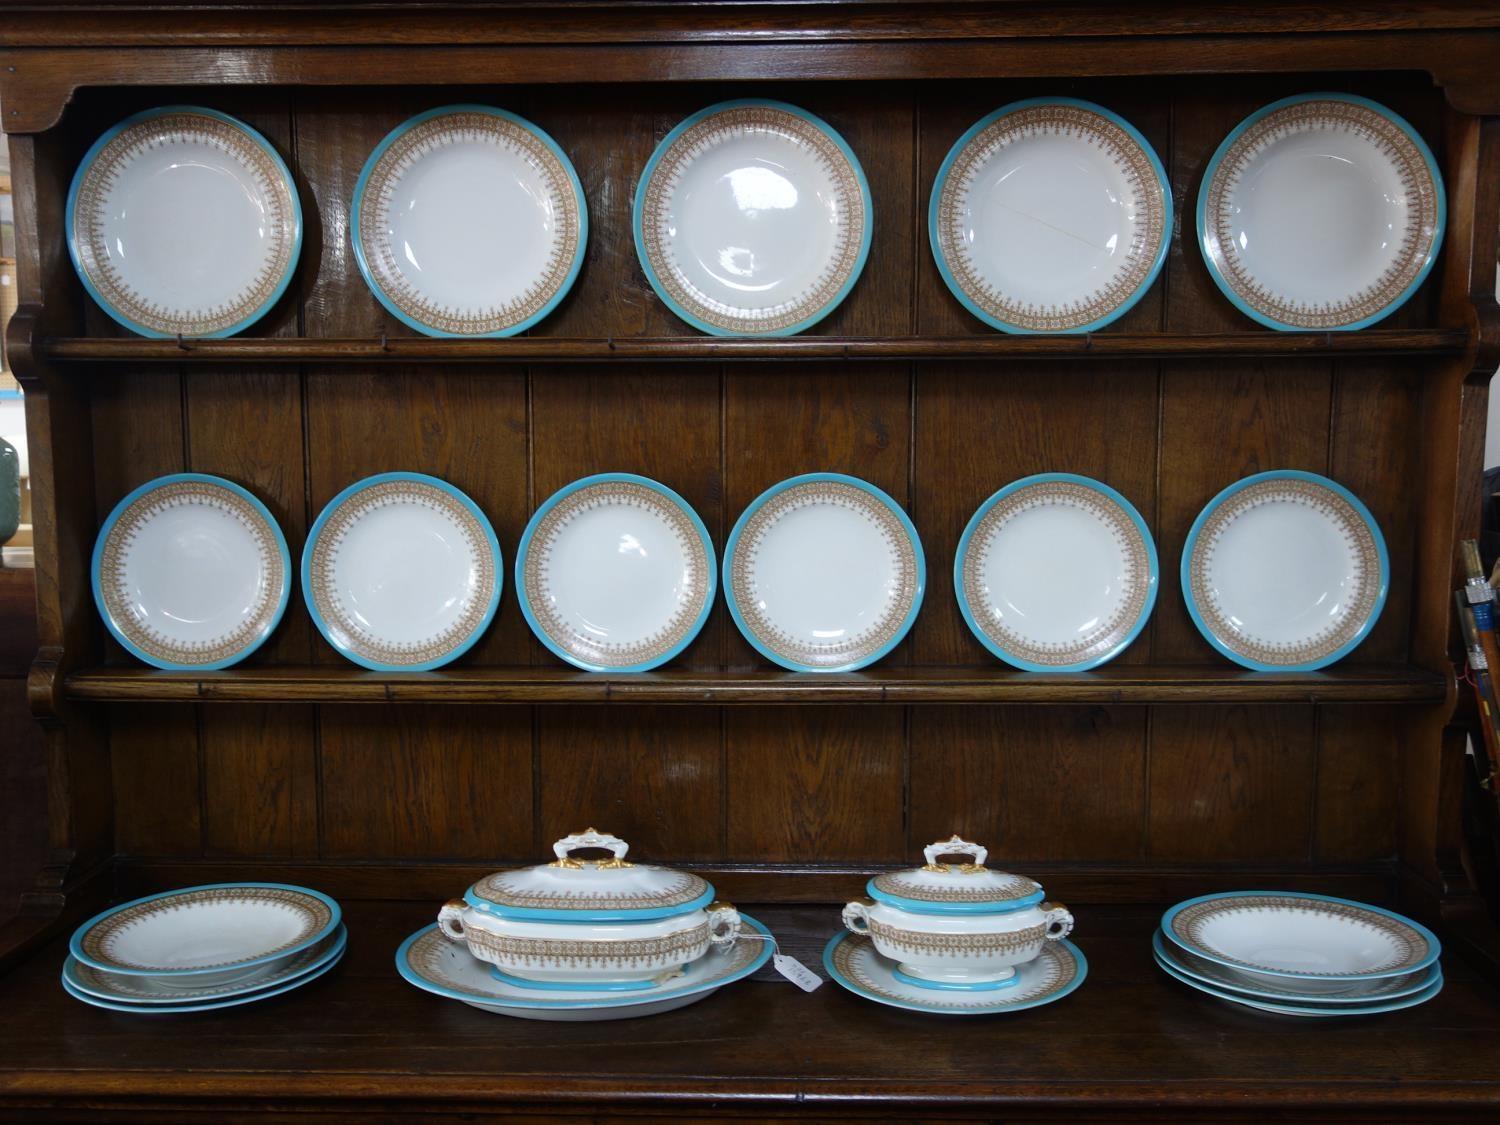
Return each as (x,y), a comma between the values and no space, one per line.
(752,217)
(1050,215)
(1285,571)
(184,221)
(824,573)
(1056,573)
(616,573)
(469,221)
(402,572)
(1321,212)
(191,571)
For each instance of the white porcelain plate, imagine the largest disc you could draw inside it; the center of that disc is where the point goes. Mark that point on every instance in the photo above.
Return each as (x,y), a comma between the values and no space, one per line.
(202,937)
(1285,571)
(183,221)
(852,961)
(1056,573)
(616,573)
(469,221)
(1300,938)
(1306,1011)
(191,572)
(401,572)
(1050,215)
(434,964)
(752,217)
(1321,211)
(824,573)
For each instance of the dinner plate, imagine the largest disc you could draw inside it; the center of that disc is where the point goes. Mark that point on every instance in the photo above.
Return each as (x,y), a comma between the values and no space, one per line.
(1285,571)
(752,217)
(1288,939)
(852,961)
(1305,1011)
(206,1005)
(1050,215)
(151,992)
(824,573)
(1375,991)
(615,573)
(434,964)
(402,572)
(183,221)
(468,221)
(1056,573)
(202,937)
(1321,212)
(191,571)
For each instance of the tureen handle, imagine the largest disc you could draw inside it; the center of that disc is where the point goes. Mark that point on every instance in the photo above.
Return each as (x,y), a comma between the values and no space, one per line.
(856,916)
(723,923)
(1059,920)
(589,838)
(451,919)
(954,846)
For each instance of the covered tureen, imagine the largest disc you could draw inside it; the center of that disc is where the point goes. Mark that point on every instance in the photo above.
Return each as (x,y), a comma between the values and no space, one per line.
(957,925)
(604,924)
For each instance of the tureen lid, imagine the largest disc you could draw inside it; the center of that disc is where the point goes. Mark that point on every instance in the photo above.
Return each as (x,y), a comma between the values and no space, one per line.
(574,889)
(955,888)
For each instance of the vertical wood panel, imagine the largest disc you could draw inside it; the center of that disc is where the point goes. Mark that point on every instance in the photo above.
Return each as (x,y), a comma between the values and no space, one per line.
(260,777)
(154,760)
(1030,783)
(1358,750)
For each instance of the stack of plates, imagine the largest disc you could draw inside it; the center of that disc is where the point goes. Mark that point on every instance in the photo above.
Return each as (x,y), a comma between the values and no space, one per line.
(1299,954)
(203,948)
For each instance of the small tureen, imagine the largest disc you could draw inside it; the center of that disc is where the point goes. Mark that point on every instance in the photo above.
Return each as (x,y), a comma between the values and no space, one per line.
(957,925)
(589,923)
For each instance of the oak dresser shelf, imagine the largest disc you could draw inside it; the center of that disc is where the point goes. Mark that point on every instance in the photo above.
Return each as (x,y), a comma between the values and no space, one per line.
(1414,343)
(1111,684)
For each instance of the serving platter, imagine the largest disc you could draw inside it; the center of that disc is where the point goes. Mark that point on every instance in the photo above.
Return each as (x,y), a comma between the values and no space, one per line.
(1056,573)
(1305,1011)
(616,572)
(824,573)
(752,217)
(853,962)
(468,220)
(402,572)
(1321,212)
(183,221)
(191,571)
(1050,215)
(205,1005)
(1285,571)
(434,964)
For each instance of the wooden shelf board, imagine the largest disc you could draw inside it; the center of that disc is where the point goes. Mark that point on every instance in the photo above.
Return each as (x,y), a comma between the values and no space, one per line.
(1113,684)
(1128,1041)
(542,349)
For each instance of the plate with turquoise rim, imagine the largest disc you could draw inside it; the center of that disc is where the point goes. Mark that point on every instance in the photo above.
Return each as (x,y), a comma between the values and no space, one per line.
(1304,1011)
(1050,215)
(1285,571)
(753,218)
(616,573)
(1321,212)
(402,572)
(191,572)
(1056,573)
(183,221)
(851,960)
(824,573)
(207,1005)
(468,221)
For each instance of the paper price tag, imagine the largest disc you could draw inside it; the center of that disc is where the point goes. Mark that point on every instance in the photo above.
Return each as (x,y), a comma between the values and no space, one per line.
(796,972)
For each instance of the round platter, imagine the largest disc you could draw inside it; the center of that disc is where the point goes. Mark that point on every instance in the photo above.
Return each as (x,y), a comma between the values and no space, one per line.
(469,221)
(616,573)
(1056,573)
(402,572)
(207,1005)
(1321,212)
(752,217)
(1285,571)
(1304,1011)
(824,573)
(191,572)
(184,221)
(1050,215)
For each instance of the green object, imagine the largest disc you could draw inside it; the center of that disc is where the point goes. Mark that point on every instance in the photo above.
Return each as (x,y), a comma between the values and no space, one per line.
(10,490)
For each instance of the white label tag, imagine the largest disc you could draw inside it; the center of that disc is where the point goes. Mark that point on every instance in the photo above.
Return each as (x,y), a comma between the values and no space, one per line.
(796,972)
